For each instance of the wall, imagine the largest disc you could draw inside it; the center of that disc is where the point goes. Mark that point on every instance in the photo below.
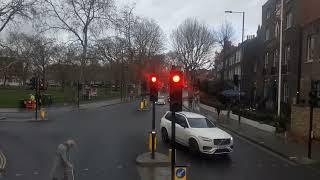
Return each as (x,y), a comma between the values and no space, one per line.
(300,121)
(310,9)
(309,70)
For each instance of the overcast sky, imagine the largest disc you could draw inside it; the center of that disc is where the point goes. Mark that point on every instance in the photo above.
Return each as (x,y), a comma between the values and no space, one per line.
(170,13)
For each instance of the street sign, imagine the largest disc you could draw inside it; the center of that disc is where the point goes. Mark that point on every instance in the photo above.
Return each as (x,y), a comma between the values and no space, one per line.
(180,173)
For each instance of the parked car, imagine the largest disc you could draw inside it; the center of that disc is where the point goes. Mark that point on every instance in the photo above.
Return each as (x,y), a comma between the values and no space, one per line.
(161,100)
(196,132)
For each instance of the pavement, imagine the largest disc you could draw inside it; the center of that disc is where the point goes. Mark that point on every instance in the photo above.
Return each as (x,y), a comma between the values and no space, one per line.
(3,162)
(110,138)
(24,115)
(277,143)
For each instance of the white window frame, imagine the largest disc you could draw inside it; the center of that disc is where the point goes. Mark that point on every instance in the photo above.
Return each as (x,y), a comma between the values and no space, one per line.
(268,34)
(311,43)
(255,67)
(268,13)
(285,92)
(277,30)
(287,55)
(266,59)
(275,57)
(289,20)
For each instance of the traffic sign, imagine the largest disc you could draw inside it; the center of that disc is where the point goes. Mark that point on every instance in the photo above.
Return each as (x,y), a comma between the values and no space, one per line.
(180,173)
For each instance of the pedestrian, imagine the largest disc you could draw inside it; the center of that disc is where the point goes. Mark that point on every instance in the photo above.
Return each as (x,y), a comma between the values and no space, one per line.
(62,166)
(218,111)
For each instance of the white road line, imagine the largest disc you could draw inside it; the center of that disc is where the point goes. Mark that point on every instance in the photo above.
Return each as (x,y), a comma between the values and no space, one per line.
(265,150)
(260,147)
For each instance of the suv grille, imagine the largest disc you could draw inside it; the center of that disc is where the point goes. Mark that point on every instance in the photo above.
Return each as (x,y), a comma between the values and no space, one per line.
(221,141)
(222,151)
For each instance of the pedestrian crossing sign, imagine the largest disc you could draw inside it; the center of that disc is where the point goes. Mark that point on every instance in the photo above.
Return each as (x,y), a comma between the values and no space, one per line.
(180,173)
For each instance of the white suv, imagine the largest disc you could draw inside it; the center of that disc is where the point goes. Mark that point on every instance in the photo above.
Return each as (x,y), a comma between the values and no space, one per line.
(196,132)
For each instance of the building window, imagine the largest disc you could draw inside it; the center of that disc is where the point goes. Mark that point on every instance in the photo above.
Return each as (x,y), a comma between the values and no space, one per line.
(285,92)
(310,47)
(275,58)
(268,34)
(287,55)
(238,56)
(277,30)
(289,20)
(318,90)
(268,13)
(266,60)
(278,8)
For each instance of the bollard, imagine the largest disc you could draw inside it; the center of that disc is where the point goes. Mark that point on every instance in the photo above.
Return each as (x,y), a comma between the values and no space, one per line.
(152,143)
(170,154)
(141,105)
(42,113)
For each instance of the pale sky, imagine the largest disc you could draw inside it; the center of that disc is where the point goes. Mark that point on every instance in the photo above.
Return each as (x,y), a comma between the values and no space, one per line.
(170,13)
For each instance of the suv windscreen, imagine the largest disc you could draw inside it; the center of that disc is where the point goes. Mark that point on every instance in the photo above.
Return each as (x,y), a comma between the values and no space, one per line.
(201,123)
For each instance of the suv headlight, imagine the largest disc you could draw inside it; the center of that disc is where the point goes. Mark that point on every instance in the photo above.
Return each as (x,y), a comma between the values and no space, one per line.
(205,139)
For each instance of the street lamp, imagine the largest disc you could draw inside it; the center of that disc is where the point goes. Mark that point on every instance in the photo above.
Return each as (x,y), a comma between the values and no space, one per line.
(243,14)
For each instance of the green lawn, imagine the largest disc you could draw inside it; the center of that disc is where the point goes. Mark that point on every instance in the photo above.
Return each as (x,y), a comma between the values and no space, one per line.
(10,97)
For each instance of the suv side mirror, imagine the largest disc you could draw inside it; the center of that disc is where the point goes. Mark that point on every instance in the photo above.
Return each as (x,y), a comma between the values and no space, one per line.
(184,125)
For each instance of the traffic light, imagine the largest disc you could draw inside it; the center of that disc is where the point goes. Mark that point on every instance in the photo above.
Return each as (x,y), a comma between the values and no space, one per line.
(33,83)
(153,85)
(42,85)
(312,98)
(236,79)
(176,85)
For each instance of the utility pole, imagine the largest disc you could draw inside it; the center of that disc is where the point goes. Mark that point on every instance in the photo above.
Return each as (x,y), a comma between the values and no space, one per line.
(173,146)
(242,40)
(37,97)
(280,60)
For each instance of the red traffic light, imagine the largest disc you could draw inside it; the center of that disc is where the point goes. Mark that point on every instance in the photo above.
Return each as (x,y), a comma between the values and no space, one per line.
(154,79)
(176,78)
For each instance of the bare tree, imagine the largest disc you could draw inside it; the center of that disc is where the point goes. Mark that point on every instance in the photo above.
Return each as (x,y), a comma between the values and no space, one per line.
(10,9)
(42,54)
(148,38)
(193,42)
(225,34)
(80,18)
(124,25)
(111,50)
(19,46)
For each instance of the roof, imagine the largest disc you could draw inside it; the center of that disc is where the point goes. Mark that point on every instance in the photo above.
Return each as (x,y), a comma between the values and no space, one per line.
(191,114)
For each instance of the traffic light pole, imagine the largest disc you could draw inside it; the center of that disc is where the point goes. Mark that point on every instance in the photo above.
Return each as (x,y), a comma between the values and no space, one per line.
(173,145)
(78,87)
(310,132)
(153,128)
(37,98)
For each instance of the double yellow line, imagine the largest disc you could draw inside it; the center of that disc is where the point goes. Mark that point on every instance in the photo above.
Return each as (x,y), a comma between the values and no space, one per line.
(3,162)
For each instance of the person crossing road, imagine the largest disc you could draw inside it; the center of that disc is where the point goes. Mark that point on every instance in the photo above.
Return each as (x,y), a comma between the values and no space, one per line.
(62,166)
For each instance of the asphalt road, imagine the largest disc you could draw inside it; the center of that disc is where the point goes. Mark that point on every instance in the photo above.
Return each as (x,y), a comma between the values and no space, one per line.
(110,138)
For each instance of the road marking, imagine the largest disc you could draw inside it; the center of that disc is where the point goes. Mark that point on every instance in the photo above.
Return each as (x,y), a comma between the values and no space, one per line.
(260,147)
(264,149)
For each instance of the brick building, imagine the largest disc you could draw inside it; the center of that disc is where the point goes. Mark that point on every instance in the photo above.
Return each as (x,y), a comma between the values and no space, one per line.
(241,61)
(270,32)
(310,65)
(298,21)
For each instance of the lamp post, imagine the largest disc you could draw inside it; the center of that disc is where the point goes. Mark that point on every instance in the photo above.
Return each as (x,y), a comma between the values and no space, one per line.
(280,59)
(242,39)
(243,16)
